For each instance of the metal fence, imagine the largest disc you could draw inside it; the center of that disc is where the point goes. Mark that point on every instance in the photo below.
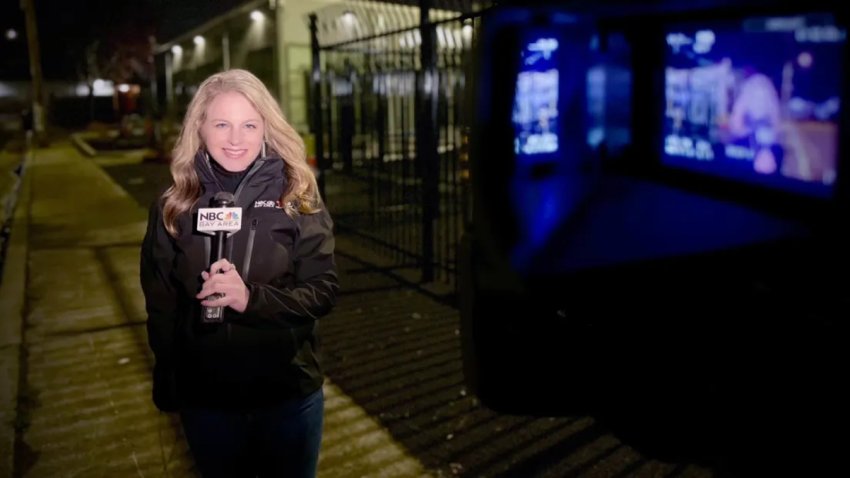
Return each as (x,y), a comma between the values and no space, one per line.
(388,88)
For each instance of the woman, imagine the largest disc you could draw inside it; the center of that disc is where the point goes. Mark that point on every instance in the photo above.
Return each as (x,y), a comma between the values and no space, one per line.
(757,117)
(248,389)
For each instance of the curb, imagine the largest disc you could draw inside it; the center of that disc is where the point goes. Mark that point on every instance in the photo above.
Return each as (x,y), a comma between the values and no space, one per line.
(12,297)
(82,145)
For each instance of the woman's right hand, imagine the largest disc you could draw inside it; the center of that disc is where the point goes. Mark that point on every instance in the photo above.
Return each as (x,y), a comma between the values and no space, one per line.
(222,279)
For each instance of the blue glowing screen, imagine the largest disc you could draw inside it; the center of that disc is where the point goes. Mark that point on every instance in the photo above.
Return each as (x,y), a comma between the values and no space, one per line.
(756,101)
(535,113)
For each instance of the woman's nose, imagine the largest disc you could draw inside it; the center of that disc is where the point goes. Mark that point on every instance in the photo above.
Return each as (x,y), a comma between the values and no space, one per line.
(235,136)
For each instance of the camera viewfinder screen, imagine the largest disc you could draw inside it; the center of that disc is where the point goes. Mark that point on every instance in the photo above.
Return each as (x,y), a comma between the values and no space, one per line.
(535,114)
(756,100)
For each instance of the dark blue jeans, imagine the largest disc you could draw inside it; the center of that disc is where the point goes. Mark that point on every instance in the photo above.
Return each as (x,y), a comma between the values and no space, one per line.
(283,440)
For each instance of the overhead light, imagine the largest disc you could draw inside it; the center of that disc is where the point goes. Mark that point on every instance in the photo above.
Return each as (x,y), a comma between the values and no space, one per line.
(177,49)
(257,15)
(11,34)
(199,40)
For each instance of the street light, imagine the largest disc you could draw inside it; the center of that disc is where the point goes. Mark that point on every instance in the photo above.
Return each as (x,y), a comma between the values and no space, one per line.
(11,34)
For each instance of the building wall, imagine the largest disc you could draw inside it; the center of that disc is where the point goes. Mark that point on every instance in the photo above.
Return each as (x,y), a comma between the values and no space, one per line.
(234,40)
(295,60)
(275,47)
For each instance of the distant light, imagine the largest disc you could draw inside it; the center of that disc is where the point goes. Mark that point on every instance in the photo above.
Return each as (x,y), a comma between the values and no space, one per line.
(257,15)
(123,88)
(199,40)
(6,89)
(177,50)
(101,87)
(348,16)
(11,34)
(466,31)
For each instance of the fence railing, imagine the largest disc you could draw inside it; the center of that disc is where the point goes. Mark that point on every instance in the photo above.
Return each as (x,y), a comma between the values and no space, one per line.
(388,88)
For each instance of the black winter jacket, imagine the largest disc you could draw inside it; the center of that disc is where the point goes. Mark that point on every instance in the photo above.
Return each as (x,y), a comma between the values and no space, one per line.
(260,357)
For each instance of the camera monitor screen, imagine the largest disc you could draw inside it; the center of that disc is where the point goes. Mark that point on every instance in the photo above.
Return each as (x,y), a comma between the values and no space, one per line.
(548,125)
(535,114)
(756,100)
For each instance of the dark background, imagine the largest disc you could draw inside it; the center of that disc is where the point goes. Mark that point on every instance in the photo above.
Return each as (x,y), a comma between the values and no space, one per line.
(66,28)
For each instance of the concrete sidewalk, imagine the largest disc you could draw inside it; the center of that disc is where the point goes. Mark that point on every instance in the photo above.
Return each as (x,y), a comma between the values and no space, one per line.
(12,188)
(83,407)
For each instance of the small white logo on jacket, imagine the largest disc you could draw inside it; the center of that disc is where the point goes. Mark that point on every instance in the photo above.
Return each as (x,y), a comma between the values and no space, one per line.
(261,203)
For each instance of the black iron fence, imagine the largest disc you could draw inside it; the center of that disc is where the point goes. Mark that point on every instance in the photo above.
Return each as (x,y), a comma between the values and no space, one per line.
(389,85)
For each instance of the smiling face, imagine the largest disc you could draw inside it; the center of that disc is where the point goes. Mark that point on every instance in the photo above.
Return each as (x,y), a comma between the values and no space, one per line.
(233,131)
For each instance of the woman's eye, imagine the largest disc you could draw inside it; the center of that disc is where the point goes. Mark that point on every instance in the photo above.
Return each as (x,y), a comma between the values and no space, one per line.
(220,125)
(251,126)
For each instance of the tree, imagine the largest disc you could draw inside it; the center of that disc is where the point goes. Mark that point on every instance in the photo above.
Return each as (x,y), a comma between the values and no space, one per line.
(120,52)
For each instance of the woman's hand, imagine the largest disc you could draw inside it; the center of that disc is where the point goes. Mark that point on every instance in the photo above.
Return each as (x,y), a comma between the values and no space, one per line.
(223,279)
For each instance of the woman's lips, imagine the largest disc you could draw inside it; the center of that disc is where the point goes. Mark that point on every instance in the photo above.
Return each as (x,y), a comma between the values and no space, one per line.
(234,153)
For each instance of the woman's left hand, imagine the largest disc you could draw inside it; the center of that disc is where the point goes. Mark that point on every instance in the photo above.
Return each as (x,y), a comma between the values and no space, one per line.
(223,279)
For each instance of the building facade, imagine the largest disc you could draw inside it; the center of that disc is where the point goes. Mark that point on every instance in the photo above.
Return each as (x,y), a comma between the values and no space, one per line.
(270,38)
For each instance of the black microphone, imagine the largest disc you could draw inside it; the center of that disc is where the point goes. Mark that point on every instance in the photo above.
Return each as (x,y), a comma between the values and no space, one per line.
(220,219)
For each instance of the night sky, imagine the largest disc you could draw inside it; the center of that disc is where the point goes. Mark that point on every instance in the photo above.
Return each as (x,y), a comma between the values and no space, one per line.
(66,27)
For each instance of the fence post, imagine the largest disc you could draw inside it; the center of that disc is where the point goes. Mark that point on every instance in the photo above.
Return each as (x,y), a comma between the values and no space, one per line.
(345,99)
(316,103)
(426,140)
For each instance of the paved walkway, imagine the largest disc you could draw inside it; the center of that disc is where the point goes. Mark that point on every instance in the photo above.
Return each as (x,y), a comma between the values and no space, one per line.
(12,157)
(83,403)
(397,406)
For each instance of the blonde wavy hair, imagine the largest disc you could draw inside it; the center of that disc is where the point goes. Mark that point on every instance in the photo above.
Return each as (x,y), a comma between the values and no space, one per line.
(281,138)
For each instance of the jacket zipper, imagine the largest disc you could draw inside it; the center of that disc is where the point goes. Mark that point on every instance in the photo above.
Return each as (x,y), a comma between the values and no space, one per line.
(256,167)
(249,249)
(253,171)
(246,265)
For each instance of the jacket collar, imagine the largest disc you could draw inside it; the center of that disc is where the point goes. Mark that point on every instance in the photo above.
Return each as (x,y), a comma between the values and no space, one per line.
(262,172)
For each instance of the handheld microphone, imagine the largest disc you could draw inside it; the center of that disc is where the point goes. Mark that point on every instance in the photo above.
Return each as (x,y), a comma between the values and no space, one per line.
(220,220)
